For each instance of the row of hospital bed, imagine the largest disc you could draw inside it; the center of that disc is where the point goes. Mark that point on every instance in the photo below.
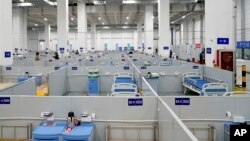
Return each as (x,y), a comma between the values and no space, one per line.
(124,85)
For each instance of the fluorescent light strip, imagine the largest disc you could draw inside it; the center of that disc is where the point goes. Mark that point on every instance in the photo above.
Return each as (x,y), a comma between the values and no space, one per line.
(25,4)
(50,3)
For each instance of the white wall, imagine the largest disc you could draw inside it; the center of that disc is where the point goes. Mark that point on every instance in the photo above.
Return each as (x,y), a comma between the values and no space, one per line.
(219,24)
(190,32)
(110,37)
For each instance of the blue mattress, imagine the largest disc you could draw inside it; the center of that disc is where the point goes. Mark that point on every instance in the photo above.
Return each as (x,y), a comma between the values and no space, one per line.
(79,133)
(22,78)
(124,90)
(196,82)
(124,80)
(49,133)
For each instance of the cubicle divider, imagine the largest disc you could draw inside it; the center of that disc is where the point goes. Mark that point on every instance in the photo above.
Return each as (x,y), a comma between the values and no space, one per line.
(166,125)
(226,76)
(147,90)
(77,78)
(58,82)
(170,79)
(27,87)
(171,128)
(204,112)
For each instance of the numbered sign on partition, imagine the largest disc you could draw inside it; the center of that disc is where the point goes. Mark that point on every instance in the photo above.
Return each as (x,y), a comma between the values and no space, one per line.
(182,101)
(135,102)
(4,100)
(57,68)
(74,68)
(126,67)
(8,68)
(195,67)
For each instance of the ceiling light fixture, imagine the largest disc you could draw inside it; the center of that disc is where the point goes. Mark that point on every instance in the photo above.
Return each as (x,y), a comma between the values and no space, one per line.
(183,17)
(106,27)
(50,3)
(129,2)
(72,19)
(99,18)
(127,18)
(45,19)
(126,23)
(25,4)
(102,23)
(36,24)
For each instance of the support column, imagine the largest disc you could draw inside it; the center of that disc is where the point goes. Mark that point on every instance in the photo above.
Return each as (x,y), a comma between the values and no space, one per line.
(47,36)
(184,33)
(139,36)
(93,36)
(82,25)
(6,37)
(62,24)
(242,25)
(25,28)
(222,28)
(149,29)
(164,27)
(19,29)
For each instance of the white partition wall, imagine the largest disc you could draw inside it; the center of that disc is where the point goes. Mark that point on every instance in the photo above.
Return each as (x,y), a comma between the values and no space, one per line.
(210,112)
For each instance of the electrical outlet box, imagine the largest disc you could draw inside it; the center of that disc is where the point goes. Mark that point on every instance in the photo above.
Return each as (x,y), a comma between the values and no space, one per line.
(238,119)
(86,119)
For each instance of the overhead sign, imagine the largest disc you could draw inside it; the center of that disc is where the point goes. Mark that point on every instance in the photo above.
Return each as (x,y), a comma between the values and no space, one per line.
(182,101)
(209,50)
(135,102)
(243,44)
(166,48)
(61,50)
(222,41)
(4,100)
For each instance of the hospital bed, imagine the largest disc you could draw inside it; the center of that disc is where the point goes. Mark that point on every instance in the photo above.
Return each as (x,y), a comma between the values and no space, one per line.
(129,94)
(124,78)
(203,85)
(84,132)
(124,87)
